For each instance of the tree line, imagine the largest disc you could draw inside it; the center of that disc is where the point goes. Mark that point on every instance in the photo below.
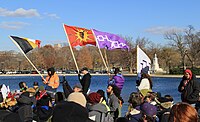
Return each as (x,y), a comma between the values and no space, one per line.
(181,52)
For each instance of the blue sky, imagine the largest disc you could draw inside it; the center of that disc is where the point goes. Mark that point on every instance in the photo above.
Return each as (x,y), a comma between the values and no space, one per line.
(43,20)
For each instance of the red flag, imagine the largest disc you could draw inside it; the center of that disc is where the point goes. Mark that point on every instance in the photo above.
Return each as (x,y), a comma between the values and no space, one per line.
(38,42)
(79,36)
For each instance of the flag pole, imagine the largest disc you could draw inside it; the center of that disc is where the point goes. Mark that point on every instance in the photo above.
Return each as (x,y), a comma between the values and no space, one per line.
(137,65)
(100,51)
(71,49)
(27,58)
(106,58)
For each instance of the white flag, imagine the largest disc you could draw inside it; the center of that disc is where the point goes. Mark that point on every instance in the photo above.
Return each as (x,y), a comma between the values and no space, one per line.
(143,62)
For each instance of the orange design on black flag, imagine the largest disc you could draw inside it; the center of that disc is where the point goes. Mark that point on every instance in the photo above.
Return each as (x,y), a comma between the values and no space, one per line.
(79,36)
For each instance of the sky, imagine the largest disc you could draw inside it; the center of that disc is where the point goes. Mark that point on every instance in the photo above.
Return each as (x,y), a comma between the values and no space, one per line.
(43,20)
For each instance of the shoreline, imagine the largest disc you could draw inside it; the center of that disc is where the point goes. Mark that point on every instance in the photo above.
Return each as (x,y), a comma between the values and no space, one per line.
(152,75)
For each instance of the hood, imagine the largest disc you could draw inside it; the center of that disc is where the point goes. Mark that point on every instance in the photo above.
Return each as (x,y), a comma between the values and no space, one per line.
(119,75)
(52,70)
(98,107)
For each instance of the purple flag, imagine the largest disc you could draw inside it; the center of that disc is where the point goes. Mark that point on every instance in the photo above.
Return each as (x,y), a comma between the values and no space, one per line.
(110,41)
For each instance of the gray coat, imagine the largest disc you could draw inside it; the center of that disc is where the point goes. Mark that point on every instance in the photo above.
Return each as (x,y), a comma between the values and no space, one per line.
(98,110)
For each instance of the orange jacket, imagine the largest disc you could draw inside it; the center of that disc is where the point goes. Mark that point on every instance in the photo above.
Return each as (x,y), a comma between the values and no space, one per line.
(53,81)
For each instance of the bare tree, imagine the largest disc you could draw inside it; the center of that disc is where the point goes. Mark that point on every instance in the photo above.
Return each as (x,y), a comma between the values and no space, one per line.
(193,43)
(178,43)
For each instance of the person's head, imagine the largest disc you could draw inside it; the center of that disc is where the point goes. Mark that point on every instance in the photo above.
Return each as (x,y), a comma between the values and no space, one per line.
(102,93)
(51,71)
(149,112)
(188,74)
(78,98)
(77,87)
(84,70)
(116,70)
(35,85)
(109,89)
(94,98)
(23,86)
(135,99)
(59,96)
(183,112)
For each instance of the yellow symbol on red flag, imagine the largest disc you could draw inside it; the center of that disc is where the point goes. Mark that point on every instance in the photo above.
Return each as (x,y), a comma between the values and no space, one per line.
(79,36)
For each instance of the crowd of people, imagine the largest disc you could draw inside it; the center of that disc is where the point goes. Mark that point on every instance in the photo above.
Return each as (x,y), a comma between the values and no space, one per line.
(78,104)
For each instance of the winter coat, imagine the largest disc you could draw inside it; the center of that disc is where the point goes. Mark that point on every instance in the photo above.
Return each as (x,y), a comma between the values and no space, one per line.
(113,103)
(118,80)
(44,113)
(69,112)
(144,84)
(53,81)
(190,93)
(85,82)
(134,116)
(25,109)
(98,110)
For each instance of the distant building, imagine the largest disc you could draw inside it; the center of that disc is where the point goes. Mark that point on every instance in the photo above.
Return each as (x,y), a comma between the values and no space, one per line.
(57,45)
(155,66)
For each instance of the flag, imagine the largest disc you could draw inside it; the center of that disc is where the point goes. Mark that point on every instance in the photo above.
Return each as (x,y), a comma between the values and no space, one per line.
(79,36)
(143,61)
(110,41)
(26,44)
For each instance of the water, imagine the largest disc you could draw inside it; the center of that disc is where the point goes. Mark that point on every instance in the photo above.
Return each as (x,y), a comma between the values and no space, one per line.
(162,85)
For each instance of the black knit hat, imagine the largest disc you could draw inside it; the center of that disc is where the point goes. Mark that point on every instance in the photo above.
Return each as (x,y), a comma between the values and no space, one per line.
(84,68)
(35,84)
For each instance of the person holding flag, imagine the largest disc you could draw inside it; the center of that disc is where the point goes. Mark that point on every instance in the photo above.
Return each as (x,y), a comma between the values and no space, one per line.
(85,80)
(52,80)
(117,79)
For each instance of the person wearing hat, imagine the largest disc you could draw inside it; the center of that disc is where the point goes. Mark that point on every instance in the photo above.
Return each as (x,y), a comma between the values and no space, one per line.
(52,80)
(189,88)
(72,110)
(77,87)
(85,80)
(149,112)
(97,110)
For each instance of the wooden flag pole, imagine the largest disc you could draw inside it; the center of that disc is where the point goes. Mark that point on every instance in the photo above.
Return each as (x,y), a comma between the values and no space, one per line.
(100,51)
(106,59)
(71,49)
(27,58)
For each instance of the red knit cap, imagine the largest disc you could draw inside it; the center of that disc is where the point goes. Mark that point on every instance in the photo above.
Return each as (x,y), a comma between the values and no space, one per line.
(190,72)
(94,98)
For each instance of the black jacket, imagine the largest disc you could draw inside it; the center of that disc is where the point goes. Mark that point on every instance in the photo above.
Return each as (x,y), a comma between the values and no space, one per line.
(85,82)
(190,93)
(70,112)
(25,110)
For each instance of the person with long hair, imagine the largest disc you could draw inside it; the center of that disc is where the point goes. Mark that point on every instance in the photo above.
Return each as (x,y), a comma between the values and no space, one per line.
(145,82)
(52,80)
(183,112)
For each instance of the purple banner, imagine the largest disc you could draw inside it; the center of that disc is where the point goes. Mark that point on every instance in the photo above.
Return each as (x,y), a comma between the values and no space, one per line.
(110,41)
